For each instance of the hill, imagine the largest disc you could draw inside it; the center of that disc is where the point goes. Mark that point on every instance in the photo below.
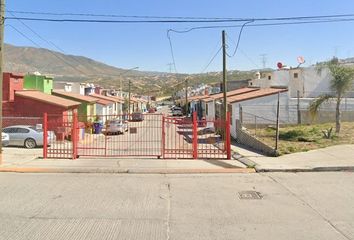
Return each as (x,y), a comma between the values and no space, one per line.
(65,67)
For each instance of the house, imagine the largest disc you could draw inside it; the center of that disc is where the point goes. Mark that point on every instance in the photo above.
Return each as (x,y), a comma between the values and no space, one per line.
(38,82)
(63,86)
(310,82)
(261,102)
(87,107)
(11,83)
(195,104)
(116,103)
(89,89)
(33,103)
(213,103)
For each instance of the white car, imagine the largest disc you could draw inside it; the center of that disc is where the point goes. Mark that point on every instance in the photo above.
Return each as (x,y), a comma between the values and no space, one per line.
(5,139)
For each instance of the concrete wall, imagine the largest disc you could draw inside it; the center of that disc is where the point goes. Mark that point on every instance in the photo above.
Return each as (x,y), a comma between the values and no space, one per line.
(245,138)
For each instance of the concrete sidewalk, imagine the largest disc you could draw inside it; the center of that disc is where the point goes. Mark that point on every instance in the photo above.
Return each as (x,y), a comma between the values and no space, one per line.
(24,160)
(334,158)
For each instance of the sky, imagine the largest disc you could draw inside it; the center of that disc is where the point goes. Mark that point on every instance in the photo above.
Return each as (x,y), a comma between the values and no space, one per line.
(146,45)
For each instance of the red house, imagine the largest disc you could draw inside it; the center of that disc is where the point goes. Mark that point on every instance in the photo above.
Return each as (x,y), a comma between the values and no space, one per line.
(32,103)
(11,83)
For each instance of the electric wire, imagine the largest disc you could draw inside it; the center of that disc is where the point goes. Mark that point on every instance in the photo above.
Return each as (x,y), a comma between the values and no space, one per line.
(38,45)
(183,17)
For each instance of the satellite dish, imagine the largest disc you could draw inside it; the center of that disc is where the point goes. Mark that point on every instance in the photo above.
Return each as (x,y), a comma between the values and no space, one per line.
(279,65)
(300,59)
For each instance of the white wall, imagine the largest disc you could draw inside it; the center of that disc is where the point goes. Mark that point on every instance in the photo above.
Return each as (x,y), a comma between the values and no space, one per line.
(265,107)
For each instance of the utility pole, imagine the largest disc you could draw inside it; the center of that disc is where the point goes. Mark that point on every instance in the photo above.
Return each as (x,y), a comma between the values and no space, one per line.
(264,60)
(170,66)
(186,95)
(224,75)
(2,22)
(129,98)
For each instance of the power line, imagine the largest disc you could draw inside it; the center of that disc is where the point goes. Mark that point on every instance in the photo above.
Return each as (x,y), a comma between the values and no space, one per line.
(211,60)
(36,44)
(309,20)
(183,17)
(112,15)
(239,38)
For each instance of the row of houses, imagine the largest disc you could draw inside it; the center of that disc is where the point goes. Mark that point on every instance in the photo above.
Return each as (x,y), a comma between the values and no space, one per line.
(33,94)
(297,88)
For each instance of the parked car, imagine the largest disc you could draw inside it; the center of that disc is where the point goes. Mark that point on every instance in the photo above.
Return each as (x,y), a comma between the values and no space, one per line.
(5,139)
(177,112)
(137,117)
(176,108)
(27,136)
(116,126)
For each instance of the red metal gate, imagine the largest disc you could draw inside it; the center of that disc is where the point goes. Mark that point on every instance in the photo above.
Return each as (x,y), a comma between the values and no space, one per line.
(145,135)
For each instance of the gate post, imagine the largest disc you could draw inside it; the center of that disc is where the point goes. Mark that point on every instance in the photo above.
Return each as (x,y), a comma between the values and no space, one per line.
(45,135)
(74,135)
(228,136)
(163,137)
(195,136)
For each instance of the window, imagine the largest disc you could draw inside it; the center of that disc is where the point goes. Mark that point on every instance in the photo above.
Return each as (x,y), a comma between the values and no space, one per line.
(206,108)
(296,75)
(22,130)
(10,130)
(269,77)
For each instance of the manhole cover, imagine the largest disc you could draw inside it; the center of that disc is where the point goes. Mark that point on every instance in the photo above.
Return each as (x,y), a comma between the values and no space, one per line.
(249,195)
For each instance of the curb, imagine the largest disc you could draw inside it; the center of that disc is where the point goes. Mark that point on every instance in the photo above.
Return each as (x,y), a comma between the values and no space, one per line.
(316,169)
(127,171)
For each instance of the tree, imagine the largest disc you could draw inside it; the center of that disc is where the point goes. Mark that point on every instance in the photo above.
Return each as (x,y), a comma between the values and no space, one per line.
(341,82)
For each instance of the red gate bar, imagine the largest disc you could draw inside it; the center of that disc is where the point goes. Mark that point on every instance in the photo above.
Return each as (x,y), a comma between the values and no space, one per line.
(45,135)
(195,136)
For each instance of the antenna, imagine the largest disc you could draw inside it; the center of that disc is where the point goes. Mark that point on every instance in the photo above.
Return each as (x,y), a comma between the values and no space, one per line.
(300,60)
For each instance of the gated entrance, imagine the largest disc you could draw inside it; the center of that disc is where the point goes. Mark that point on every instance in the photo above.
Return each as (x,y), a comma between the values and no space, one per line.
(135,135)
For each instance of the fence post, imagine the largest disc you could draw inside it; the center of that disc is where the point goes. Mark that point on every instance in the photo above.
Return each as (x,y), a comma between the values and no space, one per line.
(277,127)
(228,136)
(45,135)
(298,108)
(255,125)
(195,136)
(74,135)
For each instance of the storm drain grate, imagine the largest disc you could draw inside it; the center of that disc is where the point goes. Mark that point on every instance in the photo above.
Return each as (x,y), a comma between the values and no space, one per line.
(248,195)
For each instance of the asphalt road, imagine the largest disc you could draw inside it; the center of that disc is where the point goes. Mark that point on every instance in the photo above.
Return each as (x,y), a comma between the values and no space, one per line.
(83,206)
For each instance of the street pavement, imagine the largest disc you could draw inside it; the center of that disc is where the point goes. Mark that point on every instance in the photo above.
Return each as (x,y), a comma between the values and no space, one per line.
(214,206)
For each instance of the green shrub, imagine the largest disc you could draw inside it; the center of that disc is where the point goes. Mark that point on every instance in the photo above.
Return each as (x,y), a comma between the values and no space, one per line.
(291,135)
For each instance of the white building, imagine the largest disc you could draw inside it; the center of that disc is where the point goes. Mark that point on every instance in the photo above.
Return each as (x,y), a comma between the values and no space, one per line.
(263,103)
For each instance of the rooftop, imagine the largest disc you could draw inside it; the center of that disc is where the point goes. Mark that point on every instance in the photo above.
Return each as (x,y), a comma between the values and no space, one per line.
(108,98)
(255,94)
(76,96)
(50,99)
(229,94)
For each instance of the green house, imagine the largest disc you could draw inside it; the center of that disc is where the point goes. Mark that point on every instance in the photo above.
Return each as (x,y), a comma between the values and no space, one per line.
(87,109)
(38,82)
